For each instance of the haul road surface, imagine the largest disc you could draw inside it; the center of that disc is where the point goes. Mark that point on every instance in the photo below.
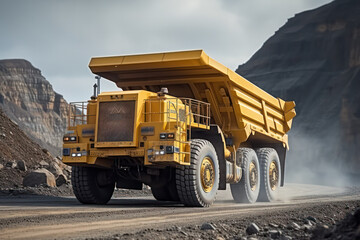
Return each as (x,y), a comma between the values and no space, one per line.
(39,217)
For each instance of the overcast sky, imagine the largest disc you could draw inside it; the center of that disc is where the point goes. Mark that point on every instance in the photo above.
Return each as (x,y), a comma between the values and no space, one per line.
(60,37)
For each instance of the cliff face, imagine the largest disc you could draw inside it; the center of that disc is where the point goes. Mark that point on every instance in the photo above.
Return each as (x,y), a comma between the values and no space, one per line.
(30,101)
(314,59)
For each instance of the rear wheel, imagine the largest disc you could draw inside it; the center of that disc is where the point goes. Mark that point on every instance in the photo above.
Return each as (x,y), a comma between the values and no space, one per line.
(247,190)
(197,184)
(270,170)
(92,185)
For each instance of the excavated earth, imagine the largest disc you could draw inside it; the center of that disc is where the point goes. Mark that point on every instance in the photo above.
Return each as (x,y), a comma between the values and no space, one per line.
(303,212)
(16,146)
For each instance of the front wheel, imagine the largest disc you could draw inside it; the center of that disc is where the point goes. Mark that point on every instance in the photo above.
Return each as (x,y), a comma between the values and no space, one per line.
(197,184)
(92,185)
(270,170)
(161,193)
(247,190)
(165,193)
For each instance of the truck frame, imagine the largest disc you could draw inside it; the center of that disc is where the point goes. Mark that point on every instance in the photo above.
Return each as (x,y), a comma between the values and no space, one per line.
(183,124)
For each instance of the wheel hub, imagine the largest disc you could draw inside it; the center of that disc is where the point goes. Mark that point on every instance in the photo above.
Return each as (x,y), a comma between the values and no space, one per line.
(253,174)
(273,175)
(207,174)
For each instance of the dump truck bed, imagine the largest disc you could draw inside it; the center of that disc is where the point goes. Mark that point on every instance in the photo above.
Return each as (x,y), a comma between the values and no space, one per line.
(240,108)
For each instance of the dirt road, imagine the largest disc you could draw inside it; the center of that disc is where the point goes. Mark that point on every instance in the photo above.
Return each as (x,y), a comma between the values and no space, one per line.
(37,217)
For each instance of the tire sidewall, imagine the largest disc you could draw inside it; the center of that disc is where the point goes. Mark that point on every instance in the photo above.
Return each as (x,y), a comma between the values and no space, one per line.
(272,157)
(103,193)
(251,195)
(207,151)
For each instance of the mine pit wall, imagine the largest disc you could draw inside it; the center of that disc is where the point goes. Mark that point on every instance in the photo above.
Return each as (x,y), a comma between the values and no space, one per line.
(30,101)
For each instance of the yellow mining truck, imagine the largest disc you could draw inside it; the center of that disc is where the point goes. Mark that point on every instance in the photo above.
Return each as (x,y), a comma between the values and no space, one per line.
(183,124)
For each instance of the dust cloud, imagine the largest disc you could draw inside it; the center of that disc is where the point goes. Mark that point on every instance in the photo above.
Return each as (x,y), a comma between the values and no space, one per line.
(322,160)
(316,165)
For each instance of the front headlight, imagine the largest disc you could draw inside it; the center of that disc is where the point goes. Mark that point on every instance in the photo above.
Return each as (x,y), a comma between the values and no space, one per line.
(69,138)
(170,135)
(167,135)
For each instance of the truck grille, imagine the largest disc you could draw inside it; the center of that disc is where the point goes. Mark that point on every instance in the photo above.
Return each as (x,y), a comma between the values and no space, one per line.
(116,121)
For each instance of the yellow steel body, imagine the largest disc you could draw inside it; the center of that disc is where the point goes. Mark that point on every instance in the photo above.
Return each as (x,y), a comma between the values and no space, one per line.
(240,108)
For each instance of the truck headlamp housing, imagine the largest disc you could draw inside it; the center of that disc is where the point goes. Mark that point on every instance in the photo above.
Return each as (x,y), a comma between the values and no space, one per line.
(171,149)
(167,135)
(69,138)
(170,135)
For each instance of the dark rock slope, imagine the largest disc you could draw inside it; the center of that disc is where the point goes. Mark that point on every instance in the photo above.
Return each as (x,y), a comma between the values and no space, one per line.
(19,156)
(314,59)
(30,101)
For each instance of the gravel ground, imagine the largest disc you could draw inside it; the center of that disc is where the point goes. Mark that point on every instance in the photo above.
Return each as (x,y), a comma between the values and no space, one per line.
(338,220)
(308,212)
(65,191)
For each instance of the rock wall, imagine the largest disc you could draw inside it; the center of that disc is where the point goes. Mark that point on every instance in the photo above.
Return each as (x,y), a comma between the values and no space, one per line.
(30,101)
(314,59)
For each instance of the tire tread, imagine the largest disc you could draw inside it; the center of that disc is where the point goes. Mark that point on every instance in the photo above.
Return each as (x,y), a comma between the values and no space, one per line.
(263,155)
(239,190)
(84,189)
(186,177)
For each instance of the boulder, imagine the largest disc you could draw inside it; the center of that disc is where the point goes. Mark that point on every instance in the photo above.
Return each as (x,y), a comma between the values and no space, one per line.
(10,164)
(55,169)
(294,226)
(1,166)
(43,164)
(67,172)
(63,166)
(46,152)
(311,218)
(21,165)
(285,237)
(39,177)
(60,180)
(57,160)
(252,229)
(275,234)
(207,226)
(273,225)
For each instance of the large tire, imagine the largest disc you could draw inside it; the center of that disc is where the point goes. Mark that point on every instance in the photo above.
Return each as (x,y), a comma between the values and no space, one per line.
(270,170)
(172,189)
(161,193)
(247,189)
(92,185)
(167,192)
(197,184)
